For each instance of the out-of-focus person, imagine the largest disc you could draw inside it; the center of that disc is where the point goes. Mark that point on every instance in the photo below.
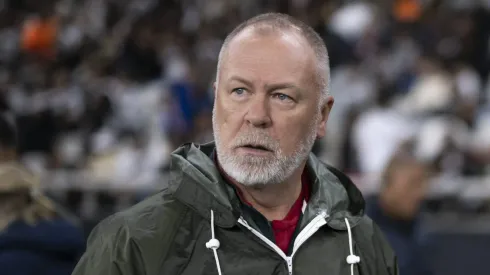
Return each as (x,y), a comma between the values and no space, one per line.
(34,239)
(396,209)
(39,35)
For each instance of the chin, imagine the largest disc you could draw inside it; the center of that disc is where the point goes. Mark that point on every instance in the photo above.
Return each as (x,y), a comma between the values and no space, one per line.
(258,174)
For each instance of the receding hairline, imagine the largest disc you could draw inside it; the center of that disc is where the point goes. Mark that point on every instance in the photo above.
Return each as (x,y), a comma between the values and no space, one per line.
(277,23)
(263,30)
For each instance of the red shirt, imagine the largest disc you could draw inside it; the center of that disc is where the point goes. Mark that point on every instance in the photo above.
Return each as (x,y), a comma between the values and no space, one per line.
(284,229)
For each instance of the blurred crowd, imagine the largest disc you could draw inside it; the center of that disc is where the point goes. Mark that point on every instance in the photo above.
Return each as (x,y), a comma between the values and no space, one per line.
(114,86)
(133,79)
(111,87)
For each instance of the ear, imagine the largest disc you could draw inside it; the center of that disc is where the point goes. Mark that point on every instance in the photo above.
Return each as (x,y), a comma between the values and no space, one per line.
(321,130)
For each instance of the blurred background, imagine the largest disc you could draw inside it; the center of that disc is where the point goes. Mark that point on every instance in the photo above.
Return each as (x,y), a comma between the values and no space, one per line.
(101,91)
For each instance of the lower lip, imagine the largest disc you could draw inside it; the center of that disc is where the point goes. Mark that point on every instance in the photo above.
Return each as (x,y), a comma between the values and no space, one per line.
(254,152)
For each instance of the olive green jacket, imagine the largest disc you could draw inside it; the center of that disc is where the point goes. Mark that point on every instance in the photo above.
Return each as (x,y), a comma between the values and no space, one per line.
(170,232)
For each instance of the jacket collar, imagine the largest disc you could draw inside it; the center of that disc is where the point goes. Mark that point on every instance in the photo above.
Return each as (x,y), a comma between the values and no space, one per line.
(333,193)
(196,182)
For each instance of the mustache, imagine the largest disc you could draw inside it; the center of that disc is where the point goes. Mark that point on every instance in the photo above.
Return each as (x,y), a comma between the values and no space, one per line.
(257,139)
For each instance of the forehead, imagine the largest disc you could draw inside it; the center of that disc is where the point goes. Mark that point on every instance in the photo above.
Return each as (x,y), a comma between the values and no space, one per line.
(269,57)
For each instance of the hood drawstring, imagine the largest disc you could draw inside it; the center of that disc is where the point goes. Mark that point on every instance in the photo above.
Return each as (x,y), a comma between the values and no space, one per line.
(214,244)
(352,259)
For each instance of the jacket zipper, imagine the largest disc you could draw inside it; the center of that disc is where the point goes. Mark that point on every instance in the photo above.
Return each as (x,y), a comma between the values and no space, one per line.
(302,237)
(309,230)
(276,248)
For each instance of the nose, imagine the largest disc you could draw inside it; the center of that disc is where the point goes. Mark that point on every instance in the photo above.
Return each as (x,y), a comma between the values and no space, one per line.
(258,113)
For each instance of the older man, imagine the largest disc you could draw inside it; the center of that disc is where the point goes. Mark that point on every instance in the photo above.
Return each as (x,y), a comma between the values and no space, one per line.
(257,201)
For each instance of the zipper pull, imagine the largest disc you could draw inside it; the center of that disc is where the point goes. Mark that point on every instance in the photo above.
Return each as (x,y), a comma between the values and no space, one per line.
(289,261)
(324,214)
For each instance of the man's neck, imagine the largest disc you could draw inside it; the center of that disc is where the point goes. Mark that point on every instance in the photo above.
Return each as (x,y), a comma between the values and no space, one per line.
(273,201)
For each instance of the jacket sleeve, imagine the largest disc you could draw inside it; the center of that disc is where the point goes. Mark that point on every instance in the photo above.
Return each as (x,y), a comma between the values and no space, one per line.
(386,258)
(110,251)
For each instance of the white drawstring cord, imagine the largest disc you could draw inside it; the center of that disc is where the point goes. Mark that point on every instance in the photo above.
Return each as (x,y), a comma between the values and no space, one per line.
(214,244)
(352,259)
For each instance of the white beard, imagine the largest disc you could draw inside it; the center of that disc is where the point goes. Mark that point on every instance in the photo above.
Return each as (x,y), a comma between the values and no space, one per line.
(261,170)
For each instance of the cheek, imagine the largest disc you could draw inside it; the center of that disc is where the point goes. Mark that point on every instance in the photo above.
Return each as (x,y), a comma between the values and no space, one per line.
(292,131)
(228,121)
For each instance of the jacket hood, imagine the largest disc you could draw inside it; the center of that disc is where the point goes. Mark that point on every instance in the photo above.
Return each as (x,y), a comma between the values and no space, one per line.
(196,182)
(55,237)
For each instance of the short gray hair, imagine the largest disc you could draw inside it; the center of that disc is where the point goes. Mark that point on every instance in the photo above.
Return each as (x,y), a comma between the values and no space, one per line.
(278,22)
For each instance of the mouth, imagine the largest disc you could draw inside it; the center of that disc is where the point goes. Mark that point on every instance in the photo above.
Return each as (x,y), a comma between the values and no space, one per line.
(255,148)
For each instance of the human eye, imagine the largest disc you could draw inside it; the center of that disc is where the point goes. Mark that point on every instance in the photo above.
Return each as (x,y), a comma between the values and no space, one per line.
(283,97)
(239,91)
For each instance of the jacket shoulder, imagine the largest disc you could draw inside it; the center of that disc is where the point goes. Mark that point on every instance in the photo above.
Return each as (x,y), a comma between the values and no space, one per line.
(160,210)
(115,243)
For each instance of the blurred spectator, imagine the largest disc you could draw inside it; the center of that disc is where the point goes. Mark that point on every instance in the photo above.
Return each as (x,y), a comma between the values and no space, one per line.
(396,210)
(407,10)
(379,131)
(39,35)
(34,239)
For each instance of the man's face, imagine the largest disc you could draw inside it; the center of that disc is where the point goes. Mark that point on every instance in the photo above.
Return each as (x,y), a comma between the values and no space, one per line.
(267,115)
(407,189)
